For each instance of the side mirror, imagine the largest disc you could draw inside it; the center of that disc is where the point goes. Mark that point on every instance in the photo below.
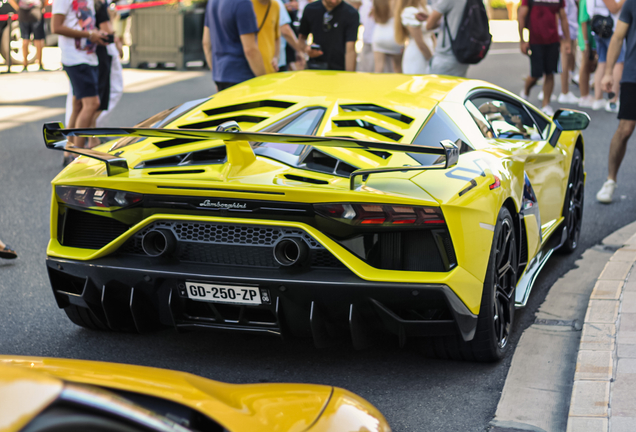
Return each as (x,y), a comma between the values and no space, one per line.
(452,153)
(571,120)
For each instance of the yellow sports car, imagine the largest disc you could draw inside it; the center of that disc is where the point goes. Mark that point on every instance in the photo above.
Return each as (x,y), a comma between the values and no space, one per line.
(56,395)
(321,204)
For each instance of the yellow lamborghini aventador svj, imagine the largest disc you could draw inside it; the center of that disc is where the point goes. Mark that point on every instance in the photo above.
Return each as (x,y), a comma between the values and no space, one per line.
(320,204)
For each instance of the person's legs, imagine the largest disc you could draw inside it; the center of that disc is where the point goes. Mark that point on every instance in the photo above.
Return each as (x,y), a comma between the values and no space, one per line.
(378,61)
(25,52)
(598,76)
(584,76)
(566,63)
(548,86)
(618,146)
(617,73)
(396,59)
(39,46)
(85,116)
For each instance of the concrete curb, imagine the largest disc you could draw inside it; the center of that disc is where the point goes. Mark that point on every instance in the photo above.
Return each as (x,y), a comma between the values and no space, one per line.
(600,387)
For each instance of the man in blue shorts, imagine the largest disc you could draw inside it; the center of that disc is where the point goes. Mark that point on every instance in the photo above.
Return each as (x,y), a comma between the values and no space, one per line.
(74,21)
(625,30)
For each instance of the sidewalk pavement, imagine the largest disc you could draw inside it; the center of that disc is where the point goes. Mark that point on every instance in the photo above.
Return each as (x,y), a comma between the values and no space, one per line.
(603,394)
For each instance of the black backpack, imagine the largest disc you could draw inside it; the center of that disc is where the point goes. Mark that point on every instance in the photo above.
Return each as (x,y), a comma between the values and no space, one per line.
(473,34)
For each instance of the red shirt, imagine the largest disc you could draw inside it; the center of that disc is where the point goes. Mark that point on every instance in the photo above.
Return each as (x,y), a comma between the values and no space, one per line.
(542,20)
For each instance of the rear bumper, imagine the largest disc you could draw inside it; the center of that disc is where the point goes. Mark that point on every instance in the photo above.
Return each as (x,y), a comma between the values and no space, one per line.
(140,294)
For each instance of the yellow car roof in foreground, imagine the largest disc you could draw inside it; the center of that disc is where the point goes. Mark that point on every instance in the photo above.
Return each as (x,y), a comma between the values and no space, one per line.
(238,407)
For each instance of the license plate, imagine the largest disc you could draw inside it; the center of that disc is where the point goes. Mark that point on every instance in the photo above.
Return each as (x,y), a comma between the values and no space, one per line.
(223,293)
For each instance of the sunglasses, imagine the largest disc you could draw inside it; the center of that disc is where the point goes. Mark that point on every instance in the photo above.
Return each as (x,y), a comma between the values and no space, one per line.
(326,22)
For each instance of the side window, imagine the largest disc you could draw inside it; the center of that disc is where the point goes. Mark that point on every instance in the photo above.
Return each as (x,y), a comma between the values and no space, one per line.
(541,122)
(438,127)
(482,123)
(507,119)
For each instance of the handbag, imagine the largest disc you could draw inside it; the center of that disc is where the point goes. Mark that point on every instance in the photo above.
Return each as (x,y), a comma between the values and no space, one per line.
(603,26)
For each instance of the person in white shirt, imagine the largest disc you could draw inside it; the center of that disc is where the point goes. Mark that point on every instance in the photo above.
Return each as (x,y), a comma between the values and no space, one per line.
(74,22)
(384,44)
(412,27)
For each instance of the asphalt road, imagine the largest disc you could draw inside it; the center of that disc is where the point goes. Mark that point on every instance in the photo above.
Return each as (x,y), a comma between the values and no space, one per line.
(414,394)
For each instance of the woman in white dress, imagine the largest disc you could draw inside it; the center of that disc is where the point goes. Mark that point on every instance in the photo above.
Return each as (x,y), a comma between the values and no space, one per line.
(384,43)
(421,43)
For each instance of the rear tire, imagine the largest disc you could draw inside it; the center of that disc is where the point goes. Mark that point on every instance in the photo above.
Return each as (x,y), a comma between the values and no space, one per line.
(573,205)
(84,318)
(496,316)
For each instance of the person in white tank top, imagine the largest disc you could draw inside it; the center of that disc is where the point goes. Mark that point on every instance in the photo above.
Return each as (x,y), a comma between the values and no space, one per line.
(384,43)
(412,28)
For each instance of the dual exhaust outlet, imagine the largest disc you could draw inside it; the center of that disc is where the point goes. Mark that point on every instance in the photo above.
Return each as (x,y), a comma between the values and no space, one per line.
(288,251)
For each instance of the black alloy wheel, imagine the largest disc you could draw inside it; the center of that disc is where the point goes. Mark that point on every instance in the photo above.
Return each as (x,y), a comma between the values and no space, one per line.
(573,205)
(496,315)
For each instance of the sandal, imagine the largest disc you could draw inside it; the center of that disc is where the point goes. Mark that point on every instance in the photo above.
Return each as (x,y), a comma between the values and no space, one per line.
(8,253)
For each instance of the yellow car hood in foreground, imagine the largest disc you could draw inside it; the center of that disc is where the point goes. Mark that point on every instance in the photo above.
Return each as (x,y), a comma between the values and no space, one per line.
(29,384)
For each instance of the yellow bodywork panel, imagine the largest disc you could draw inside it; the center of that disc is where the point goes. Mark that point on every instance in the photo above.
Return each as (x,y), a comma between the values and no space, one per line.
(238,407)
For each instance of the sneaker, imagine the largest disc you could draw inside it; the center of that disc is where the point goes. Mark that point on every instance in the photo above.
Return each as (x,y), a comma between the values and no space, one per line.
(606,192)
(548,110)
(553,97)
(598,104)
(567,98)
(524,96)
(612,107)
(586,101)
(24,69)
(41,69)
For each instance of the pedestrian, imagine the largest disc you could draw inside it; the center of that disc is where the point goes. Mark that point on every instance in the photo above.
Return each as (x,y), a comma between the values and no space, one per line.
(291,55)
(589,58)
(544,45)
(334,27)
(365,61)
(602,11)
(229,42)
(444,61)
(74,22)
(110,73)
(268,32)
(31,20)
(625,30)
(421,42)
(6,252)
(384,44)
(567,59)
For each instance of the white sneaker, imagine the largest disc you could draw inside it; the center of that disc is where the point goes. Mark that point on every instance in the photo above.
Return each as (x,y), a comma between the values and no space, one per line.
(548,110)
(552,96)
(586,101)
(612,106)
(598,104)
(524,96)
(568,98)
(606,192)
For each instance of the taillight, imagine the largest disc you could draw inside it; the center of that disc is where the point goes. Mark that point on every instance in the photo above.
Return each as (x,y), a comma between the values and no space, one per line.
(381,214)
(96,198)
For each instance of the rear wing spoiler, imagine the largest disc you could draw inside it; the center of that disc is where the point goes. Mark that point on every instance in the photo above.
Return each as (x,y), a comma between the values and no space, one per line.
(55,137)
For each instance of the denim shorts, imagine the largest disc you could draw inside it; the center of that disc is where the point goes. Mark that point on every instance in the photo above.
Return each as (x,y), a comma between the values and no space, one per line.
(602,46)
(84,79)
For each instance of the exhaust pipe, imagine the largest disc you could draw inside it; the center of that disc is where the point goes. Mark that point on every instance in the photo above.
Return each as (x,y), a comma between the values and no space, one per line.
(291,251)
(158,242)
